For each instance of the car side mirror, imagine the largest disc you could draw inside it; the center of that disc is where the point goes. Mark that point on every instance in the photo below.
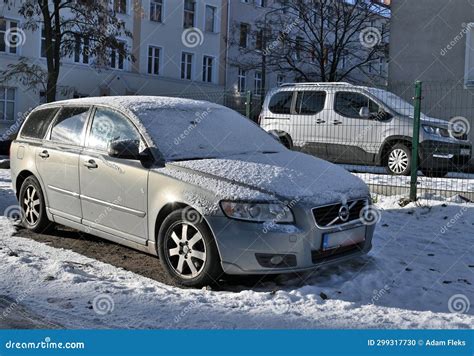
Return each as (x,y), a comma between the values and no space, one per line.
(364,112)
(125,149)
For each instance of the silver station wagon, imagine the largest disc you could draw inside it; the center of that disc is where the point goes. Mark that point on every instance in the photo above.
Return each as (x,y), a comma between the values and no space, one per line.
(194,183)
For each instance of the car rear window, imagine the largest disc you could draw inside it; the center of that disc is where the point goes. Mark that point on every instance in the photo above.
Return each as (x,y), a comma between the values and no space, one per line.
(280,103)
(310,102)
(37,123)
(69,126)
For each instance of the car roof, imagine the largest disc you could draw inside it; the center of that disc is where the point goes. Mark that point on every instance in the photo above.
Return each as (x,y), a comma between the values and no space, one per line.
(132,102)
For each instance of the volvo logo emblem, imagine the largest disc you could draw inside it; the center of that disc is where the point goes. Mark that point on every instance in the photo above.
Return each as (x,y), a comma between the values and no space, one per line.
(344,213)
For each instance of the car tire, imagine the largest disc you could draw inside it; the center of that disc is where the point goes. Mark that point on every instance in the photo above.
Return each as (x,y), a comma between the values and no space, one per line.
(398,160)
(187,249)
(435,172)
(33,207)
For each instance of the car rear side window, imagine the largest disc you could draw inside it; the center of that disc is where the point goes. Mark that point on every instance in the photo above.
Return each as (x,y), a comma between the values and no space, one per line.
(69,126)
(349,104)
(37,123)
(280,103)
(310,102)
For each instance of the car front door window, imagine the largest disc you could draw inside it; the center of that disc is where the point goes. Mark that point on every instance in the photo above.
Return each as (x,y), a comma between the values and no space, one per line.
(109,126)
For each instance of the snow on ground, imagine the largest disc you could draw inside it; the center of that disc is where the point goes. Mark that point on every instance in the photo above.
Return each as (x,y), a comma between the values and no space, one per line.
(422,259)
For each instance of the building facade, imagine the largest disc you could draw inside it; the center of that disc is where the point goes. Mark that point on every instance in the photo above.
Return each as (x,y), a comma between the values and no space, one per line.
(433,41)
(177,46)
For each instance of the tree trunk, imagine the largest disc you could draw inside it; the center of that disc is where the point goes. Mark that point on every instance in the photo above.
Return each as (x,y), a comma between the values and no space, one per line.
(51,87)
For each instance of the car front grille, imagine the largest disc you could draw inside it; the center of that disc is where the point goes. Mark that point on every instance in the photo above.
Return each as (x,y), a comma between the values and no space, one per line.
(330,215)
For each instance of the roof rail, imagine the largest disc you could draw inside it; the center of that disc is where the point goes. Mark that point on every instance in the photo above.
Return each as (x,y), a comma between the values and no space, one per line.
(314,84)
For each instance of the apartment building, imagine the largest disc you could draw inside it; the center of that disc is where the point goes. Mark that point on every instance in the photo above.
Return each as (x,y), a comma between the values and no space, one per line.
(177,45)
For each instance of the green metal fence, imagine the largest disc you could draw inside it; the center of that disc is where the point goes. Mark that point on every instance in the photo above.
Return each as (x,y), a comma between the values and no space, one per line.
(410,139)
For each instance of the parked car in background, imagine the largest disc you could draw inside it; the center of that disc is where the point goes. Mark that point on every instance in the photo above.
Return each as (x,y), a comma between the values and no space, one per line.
(196,183)
(351,124)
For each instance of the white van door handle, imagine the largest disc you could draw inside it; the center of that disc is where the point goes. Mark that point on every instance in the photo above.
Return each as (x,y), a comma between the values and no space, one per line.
(44,154)
(90,164)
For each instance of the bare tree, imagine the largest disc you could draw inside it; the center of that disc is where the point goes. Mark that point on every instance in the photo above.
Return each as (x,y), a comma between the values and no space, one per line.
(318,40)
(87,28)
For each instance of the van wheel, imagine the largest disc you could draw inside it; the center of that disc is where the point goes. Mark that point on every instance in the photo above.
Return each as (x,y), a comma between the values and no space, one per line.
(285,139)
(435,172)
(33,207)
(399,160)
(187,249)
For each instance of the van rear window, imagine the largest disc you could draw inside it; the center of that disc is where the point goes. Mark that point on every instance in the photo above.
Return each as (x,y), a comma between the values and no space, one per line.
(37,123)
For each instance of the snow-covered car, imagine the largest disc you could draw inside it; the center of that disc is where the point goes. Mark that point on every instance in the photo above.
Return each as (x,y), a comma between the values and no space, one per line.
(193,182)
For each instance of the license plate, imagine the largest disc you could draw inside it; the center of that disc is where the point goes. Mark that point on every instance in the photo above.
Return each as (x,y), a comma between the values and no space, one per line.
(344,238)
(465,152)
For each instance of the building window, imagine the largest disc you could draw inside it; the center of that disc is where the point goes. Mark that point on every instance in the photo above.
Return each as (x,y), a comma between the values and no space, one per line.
(280,79)
(189,11)
(156,10)
(207,64)
(259,40)
(257,83)
(210,18)
(117,58)
(7,104)
(81,50)
(186,66)
(244,35)
(120,6)
(154,60)
(11,45)
(242,81)
(260,3)
(43,43)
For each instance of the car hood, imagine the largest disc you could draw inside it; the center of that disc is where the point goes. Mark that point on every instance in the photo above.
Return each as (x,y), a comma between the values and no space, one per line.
(286,176)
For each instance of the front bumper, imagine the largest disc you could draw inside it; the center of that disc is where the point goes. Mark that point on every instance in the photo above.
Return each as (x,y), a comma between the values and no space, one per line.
(435,154)
(247,248)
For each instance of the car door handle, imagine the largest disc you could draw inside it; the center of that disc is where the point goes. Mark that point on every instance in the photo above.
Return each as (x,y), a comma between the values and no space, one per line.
(90,164)
(44,154)
(337,122)
(319,121)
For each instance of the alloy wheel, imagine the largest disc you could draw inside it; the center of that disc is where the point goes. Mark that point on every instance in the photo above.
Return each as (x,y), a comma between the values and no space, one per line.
(398,161)
(31,205)
(185,250)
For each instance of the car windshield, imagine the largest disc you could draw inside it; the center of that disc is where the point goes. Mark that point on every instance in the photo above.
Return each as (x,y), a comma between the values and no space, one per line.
(193,132)
(394,102)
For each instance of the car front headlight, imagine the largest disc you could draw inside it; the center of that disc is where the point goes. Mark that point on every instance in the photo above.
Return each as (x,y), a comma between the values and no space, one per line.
(436,131)
(257,212)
